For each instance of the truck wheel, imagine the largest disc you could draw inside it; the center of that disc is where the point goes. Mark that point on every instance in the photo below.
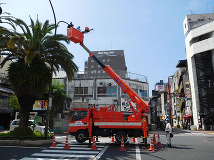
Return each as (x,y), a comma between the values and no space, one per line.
(81,136)
(119,136)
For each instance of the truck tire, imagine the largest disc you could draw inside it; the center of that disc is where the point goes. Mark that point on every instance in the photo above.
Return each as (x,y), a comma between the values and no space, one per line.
(119,136)
(81,136)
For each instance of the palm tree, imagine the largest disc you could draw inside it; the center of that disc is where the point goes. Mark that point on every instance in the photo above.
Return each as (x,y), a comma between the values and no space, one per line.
(31,52)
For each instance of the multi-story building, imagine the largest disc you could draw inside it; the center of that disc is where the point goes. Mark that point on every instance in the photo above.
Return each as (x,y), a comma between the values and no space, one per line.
(113,58)
(183,95)
(199,41)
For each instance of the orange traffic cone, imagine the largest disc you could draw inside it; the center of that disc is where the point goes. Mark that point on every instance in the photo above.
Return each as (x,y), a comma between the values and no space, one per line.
(54,142)
(122,148)
(159,143)
(133,139)
(154,139)
(66,143)
(94,148)
(152,148)
(112,138)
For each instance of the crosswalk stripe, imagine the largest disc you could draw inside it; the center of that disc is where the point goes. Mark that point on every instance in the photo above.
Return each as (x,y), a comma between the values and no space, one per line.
(68,151)
(62,155)
(80,145)
(29,158)
(75,148)
(191,134)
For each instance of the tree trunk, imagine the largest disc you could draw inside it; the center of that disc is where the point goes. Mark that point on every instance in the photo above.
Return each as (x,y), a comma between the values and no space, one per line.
(26,104)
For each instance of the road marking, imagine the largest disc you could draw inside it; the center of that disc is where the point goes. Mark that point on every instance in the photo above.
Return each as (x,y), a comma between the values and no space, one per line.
(101,153)
(79,145)
(27,158)
(99,149)
(63,155)
(205,140)
(20,147)
(68,151)
(138,156)
(192,134)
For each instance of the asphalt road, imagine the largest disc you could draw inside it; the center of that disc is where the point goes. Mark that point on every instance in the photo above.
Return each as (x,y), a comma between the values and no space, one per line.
(185,145)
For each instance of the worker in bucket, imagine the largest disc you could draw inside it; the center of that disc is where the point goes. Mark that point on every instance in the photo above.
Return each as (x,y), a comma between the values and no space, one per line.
(168,130)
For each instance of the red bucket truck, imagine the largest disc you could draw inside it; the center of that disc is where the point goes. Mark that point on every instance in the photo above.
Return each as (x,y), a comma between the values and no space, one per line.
(106,122)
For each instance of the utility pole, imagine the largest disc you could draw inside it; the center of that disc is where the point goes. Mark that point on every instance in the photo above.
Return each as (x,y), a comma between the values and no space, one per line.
(50,85)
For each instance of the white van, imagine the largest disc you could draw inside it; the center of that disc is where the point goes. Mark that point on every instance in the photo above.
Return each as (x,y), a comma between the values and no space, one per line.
(34,126)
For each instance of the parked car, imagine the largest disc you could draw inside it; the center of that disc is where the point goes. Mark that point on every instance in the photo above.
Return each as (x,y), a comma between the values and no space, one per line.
(34,126)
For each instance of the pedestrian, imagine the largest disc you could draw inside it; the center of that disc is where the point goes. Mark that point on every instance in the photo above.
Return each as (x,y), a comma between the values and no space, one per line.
(168,130)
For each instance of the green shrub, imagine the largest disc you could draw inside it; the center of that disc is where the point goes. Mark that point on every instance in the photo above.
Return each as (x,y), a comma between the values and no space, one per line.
(178,126)
(22,132)
(6,134)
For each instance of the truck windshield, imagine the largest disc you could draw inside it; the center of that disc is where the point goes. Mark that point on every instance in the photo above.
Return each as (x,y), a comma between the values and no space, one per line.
(79,115)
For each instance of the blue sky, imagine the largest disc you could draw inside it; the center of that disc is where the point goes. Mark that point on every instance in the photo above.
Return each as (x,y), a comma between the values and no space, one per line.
(149,32)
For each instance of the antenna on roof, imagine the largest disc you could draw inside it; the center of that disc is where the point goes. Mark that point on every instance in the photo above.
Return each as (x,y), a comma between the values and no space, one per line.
(191,11)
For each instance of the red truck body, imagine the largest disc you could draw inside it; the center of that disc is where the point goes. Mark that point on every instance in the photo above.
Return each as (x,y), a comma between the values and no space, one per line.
(106,121)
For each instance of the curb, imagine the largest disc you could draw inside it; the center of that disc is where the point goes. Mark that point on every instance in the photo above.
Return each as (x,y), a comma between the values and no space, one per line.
(25,142)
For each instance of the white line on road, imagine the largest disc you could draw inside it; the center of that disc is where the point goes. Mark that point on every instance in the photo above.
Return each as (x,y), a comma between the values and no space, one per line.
(75,148)
(68,151)
(79,145)
(138,156)
(28,158)
(63,155)
(101,153)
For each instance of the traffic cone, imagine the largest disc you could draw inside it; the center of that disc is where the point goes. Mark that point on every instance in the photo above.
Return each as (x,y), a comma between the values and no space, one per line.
(122,148)
(152,148)
(66,143)
(112,138)
(159,143)
(54,142)
(94,148)
(154,139)
(133,139)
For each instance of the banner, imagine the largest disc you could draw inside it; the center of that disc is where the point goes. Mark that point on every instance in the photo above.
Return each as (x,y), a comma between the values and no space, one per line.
(40,105)
(125,107)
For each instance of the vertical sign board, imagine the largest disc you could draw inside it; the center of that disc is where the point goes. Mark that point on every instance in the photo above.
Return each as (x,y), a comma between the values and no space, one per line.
(125,107)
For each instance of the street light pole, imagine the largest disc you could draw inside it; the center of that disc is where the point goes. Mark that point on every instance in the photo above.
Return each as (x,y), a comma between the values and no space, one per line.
(50,84)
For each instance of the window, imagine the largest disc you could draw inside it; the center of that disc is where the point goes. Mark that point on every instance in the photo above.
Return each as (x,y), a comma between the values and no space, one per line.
(110,91)
(81,90)
(78,115)
(4,101)
(136,90)
(143,94)
(101,90)
(200,19)
(92,66)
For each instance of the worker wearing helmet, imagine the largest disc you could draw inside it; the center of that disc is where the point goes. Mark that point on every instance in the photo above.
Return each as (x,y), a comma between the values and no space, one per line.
(168,130)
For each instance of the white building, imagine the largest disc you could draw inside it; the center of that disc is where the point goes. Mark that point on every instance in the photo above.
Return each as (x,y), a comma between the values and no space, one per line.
(199,41)
(105,92)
